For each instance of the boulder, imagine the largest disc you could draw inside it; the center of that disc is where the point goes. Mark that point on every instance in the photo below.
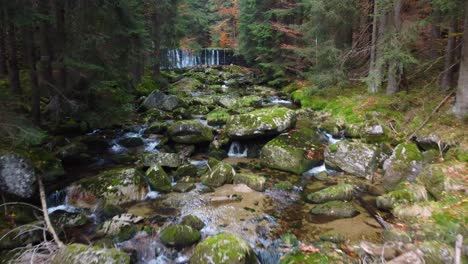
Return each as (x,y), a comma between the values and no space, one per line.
(353,157)
(179,236)
(223,248)
(172,160)
(405,164)
(342,192)
(441,179)
(161,101)
(405,193)
(121,227)
(82,254)
(190,132)
(410,212)
(187,170)
(117,186)
(156,128)
(253,181)
(183,187)
(295,152)
(336,209)
(220,174)
(62,219)
(261,122)
(227,101)
(193,221)
(437,252)
(17,176)
(158,179)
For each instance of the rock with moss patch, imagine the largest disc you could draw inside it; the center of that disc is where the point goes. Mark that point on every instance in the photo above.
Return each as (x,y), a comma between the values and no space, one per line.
(284,186)
(223,248)
(17,175)
(193,221)
(63,219)
(162,101)
(353,157)
(343,192)
(156,128)
(261,122)
(121,227)
(183,187)
(187,170)
(436,252)
(116,186)
(412,212)
(441,179)
(82,254)
(187,85)
(158,179)
(172,160)
(190,132)
(405,163)
(217,117)
(253,181)
(221,173)
(336,209)
(179,236)
(405,193)
(295,152)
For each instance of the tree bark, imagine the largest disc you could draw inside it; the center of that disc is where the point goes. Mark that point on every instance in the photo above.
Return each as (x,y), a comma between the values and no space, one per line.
(3,57)
(157,46)
(373,87)
(60,45)
(35,90)
(13,69)
(447,77)
(461,105)
(45,69)
(394,71)
(435,34)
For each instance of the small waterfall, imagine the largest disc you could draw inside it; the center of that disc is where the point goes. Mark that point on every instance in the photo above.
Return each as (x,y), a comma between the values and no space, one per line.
(57,201)
(315,170)
(179,58)
(331,139)
(236,150)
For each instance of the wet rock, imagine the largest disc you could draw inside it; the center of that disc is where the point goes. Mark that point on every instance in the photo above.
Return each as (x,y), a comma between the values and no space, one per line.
(74,151)
(261,122)
(227,101)
(342,192)
(220,174)
(179,236)
(172,160)
(353,157)
(21,236)
(117,186)
(429,141)
(156,128)
(217,117)
(120,227)
(223,248)
(436,252)
(336,209)
(158,179)
(192,221)
(62,219)
(441,179)
(190,132)
(188,170)
(253,181)
(131,142)
(296,152)
(161,101)
(405,193)
(82,254)
(17,176)
(405,163)
(321,176)
(183,187)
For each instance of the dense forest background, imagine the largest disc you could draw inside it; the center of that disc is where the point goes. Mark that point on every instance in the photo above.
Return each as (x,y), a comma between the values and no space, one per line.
(87,61)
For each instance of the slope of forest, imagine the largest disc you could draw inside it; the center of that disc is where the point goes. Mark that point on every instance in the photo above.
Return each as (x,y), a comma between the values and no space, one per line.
(337,134)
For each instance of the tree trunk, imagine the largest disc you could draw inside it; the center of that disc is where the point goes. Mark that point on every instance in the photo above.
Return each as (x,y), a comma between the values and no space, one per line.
(13,60)
(394,71)
(461,105)
(60,45)
(3,57)
(36,93)
(435,34)
(373,87)
(447,77)
(45,64)
(157,46)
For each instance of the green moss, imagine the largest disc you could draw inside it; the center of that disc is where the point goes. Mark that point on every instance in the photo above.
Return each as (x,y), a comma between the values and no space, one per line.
(284,186)
(223,248)
(342,191)
(158,179)
(192,221)
(408,152)
(217,117)
(179,236)
(247,101)
(333,147)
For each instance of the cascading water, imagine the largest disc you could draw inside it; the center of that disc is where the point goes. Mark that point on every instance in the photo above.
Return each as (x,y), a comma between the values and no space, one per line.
(236,150)
(179,58)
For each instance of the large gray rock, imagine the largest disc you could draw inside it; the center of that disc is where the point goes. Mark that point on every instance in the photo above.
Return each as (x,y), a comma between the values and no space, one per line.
(253,181)
(82,254)
(295,152)
(220,174)
(336,209)
(158,179)
(17,176)
(190,132)
(161,101)
(172,160)
(405,193)
(260,122)
(405,164)
(342,192)
(353,157)
(444,178)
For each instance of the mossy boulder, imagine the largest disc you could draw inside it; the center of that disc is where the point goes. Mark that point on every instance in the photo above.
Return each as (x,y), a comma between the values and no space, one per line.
(187,85)
(193,221)
(120,227)
(217,117)
(156,128)
(220,174)
(187,170)
(183,187)
(405,163)
(172,160)
(62,219)
(405,193)
(158,179)
(247,101)
(295,152)
(253,181)
(261,122)
(179,236)
(223,248)
(336,209)
(342,192)
(162,101)
(441,179)
(353,157)
(116,186)
(190,132)
(82,254)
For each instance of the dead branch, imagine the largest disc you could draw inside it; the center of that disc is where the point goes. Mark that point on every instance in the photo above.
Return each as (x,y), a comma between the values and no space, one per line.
(45,213)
